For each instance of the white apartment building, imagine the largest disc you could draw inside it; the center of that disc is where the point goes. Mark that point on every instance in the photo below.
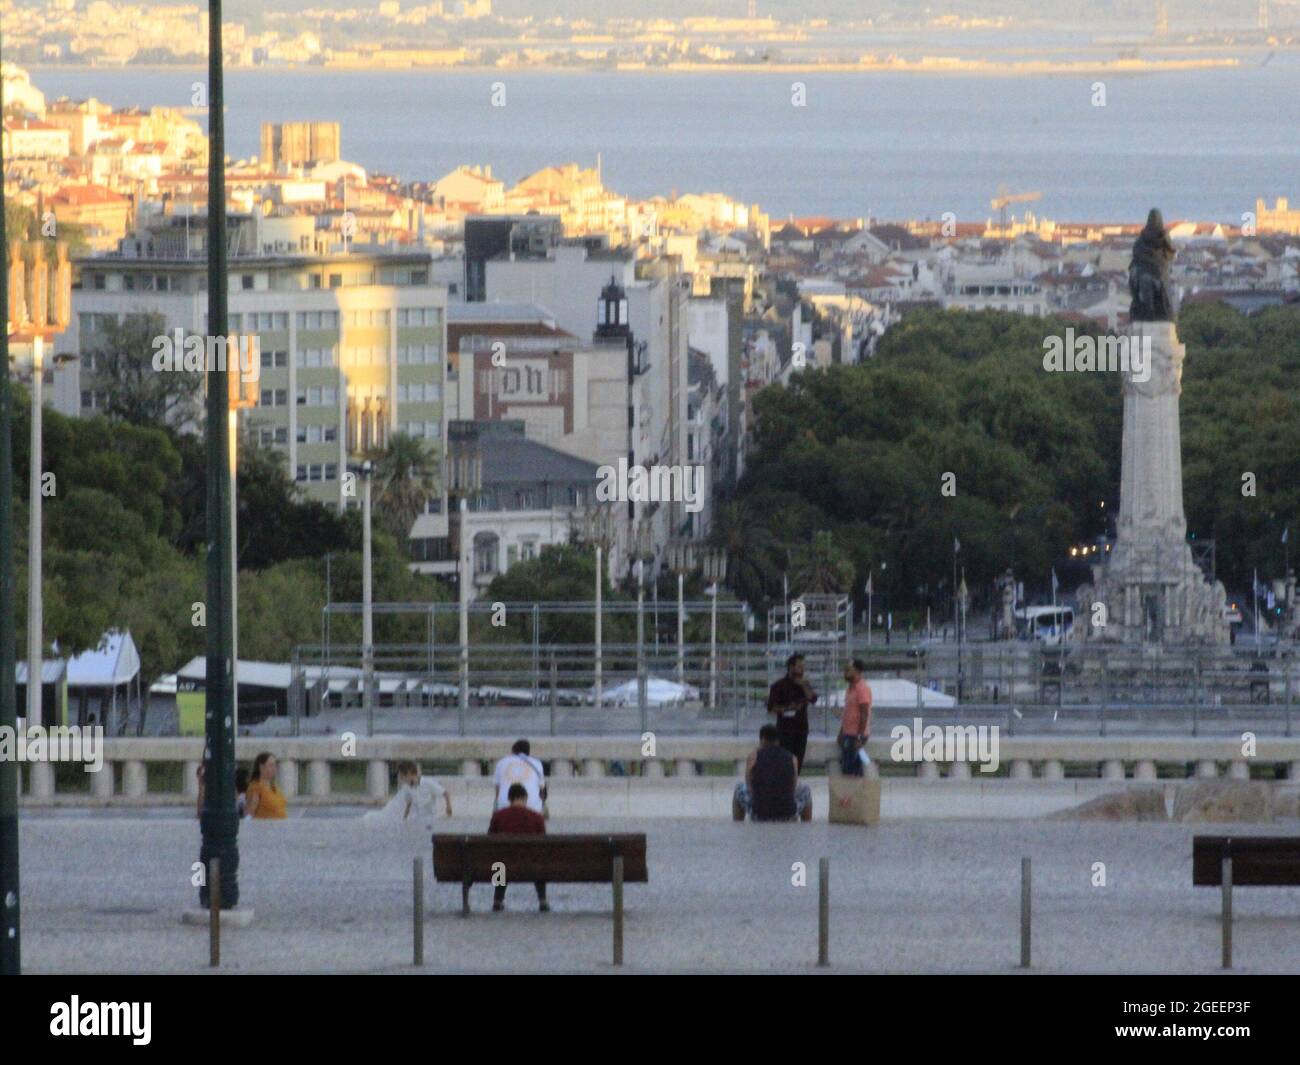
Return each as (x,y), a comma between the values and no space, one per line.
(570,280)
(992,287)
(352,347)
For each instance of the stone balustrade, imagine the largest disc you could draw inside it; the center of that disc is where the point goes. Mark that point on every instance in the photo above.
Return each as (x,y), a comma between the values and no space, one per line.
(316,769)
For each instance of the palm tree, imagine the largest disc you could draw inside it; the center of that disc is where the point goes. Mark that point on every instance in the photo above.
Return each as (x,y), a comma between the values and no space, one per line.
(405,479)
(821,568)
(750,547)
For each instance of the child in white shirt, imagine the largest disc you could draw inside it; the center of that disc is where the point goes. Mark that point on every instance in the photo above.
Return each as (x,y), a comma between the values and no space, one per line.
(417,797)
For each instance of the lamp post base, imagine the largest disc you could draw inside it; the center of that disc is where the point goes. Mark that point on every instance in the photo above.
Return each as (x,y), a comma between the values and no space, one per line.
(239,917)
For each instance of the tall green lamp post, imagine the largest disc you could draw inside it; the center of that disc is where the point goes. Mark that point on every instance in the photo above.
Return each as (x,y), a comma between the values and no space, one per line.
(219,823)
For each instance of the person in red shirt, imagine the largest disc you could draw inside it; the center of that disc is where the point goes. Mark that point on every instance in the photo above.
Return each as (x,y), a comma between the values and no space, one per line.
(518,820)
(855,725)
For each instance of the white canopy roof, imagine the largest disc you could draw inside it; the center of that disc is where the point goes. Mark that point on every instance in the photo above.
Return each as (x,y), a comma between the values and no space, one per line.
(893,693)
(659,692)
(115,661)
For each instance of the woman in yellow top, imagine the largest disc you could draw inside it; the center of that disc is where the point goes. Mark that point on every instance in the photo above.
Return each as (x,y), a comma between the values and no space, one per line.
(263,798)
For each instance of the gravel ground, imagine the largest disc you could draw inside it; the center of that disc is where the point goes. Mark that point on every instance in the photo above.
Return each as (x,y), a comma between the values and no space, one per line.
(333,894)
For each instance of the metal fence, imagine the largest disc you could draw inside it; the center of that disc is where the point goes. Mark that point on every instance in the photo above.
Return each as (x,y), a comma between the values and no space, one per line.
(571,688)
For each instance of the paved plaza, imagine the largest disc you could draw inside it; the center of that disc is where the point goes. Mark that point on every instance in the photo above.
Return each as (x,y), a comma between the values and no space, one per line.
(333,894)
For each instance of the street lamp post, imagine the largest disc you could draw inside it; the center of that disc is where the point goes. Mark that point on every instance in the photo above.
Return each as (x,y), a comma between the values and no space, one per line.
(465,578)
(681,627)
(10,940)
(599,643)
(367,605)
(464,479)
(963,600)
(218,823)
(39,305)
(640,643)
(715,569)
(677,563)
(241,395)
(35,585)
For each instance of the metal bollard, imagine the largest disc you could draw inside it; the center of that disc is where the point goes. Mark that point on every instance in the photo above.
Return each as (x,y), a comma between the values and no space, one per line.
(214,912)
(618,910)
(1026,888)
(417,867)
(823,912)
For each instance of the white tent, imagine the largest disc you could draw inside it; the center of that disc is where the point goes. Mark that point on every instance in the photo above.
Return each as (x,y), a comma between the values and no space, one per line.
(658,692)
(114,662)
(98,674)
(893,693)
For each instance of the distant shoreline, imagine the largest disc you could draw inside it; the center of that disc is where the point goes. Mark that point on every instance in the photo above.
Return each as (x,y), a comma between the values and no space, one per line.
(951,67)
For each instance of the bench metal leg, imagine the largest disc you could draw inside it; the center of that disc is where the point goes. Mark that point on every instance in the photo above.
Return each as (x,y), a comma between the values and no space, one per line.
(1227,912)
(464,898)
(618,910)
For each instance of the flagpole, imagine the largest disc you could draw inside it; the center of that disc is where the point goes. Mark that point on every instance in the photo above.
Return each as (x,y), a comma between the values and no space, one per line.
(870,593)
(956,546)
(1255,589)
(785,594)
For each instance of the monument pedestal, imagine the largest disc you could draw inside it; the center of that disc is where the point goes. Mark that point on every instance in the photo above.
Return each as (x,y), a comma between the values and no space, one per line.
(1151,586)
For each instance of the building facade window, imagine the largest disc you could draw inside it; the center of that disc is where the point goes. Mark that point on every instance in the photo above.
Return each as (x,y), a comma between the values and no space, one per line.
(486,548)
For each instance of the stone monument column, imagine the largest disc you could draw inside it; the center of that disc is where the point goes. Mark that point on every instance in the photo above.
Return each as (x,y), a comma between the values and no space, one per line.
(1151,478)
(1151,586)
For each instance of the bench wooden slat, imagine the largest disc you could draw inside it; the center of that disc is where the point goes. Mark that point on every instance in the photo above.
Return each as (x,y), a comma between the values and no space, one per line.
(558,859)
(1257,861)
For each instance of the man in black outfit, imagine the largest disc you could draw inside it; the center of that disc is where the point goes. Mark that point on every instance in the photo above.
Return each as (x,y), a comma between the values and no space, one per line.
(789,699)
(771,790)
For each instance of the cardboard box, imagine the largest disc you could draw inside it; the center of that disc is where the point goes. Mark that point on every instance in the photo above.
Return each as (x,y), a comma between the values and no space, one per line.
(854,800)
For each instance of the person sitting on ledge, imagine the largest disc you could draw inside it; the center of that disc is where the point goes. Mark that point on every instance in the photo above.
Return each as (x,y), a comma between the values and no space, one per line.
(416,799)
(771,790)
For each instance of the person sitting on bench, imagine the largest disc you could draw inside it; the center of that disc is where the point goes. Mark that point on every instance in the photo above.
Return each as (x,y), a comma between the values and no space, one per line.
(517,819)
(771,790)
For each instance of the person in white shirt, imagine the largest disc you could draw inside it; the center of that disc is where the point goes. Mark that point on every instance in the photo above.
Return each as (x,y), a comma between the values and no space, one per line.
(520,767)
(416,799)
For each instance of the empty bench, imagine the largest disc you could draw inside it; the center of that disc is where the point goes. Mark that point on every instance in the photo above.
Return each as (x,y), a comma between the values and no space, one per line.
(572,859)
(1257,861)
(1248,861)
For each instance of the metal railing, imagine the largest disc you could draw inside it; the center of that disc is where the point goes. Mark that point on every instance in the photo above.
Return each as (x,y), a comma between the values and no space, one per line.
(704,688)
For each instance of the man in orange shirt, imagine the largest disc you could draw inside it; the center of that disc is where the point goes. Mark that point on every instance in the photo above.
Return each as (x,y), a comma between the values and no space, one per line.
(855,725)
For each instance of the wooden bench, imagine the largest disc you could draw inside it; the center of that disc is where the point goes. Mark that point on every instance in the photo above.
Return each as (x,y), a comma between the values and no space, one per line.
(1248,861)
(572,859)
(1257,861)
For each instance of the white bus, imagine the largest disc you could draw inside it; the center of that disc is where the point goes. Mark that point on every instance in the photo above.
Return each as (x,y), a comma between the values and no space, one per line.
(1045,624)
